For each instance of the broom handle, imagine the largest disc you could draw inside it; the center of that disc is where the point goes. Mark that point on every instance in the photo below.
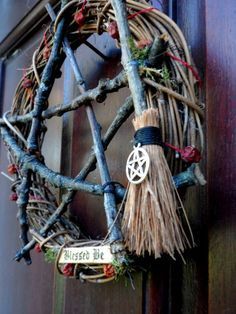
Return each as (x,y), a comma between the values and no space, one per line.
(130,65)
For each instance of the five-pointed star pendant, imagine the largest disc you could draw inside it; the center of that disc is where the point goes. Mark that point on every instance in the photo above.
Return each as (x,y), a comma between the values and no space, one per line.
(137,165)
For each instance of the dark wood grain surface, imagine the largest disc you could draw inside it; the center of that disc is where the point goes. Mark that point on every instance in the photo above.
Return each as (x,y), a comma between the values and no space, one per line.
(192,276)
(221,135)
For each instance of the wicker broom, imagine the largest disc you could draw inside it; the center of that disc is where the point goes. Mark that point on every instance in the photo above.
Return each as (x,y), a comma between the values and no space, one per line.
(150,221)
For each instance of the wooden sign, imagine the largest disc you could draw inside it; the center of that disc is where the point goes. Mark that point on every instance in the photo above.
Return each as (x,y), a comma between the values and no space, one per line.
(87,255)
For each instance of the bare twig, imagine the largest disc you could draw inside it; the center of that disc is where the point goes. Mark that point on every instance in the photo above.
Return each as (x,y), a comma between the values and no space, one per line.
(45,87)
(96,94)
(22,201)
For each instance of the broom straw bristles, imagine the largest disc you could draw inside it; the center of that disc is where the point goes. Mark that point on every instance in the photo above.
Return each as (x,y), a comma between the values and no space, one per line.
(150,222)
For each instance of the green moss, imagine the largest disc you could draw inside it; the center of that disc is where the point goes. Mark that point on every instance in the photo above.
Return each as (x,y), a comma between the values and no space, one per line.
(165,74)
(139,54)
(50,255)
(123,269)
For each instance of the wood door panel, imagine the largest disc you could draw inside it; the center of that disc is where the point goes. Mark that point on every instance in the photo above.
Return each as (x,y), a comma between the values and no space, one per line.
(116,297)
(191,278)
(221,134)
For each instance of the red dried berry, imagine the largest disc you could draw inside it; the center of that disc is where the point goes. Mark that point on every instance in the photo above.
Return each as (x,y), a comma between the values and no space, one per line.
(46,53)
(109,270)
(27,83)
(68,270)
(37,248)
(143,43)
(12,169)
(79,18)
(113,30)
(36,198)
(190,154)
(13,197)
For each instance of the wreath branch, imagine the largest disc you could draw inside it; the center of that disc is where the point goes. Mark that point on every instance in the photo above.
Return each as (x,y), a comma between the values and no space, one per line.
(28,162)
(176,95)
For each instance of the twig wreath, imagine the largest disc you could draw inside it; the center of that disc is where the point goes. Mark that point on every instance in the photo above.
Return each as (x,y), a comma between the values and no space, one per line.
(168,115)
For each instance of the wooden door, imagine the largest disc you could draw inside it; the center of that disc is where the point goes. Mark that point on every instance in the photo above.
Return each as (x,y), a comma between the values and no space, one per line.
(205,284)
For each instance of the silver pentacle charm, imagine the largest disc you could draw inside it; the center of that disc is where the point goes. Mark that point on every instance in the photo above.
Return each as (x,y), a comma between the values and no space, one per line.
(137,165)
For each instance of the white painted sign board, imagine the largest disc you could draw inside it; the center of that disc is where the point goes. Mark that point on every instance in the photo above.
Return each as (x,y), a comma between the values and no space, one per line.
(87,255)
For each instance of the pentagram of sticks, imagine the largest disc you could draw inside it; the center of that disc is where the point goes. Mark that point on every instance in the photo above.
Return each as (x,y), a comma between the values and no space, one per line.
(23,130)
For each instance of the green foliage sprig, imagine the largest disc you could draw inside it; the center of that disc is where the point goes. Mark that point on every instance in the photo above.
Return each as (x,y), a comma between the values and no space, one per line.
(139,54)
(50,255)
